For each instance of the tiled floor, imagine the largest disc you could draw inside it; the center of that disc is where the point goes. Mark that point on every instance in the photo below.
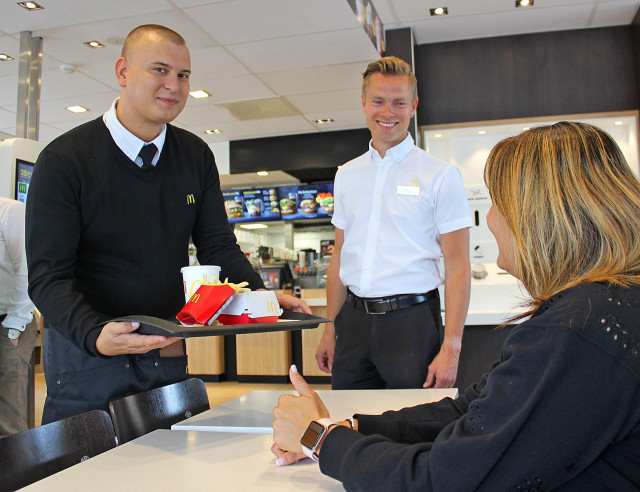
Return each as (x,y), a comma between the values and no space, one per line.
(219,393)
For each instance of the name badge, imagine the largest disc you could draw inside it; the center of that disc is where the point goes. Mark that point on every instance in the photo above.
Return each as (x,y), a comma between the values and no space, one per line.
(408,190)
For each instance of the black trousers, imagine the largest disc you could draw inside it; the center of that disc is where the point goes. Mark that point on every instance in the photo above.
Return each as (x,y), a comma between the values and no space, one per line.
(392,350)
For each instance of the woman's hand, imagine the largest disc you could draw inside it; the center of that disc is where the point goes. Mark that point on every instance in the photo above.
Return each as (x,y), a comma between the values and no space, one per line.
(292,417)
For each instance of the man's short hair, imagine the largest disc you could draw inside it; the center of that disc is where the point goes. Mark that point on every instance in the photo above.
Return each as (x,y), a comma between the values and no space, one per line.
(145,29)
(391,65)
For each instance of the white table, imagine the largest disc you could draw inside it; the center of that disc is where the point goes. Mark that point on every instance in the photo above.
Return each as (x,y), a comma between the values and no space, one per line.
(193,461)
(252,412)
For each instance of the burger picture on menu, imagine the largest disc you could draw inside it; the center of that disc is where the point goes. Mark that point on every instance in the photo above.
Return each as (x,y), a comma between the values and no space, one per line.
(234,209)
(308,206)
(325,200)
(288,205)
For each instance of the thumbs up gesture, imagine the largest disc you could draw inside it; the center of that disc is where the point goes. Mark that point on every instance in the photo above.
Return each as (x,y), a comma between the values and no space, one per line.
(292,417)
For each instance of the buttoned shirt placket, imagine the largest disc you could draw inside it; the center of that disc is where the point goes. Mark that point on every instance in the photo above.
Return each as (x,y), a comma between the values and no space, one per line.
(382,171)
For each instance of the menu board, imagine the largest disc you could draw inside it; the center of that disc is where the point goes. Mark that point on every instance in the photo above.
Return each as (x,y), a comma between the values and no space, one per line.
(251,205)
(23,179)
(306,201)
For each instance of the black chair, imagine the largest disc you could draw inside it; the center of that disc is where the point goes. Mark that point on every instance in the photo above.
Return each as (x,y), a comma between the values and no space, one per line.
(34,454)
(159,408)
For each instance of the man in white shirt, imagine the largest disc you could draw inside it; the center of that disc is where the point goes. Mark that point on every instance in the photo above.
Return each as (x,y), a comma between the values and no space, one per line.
(16,312)
(397,209)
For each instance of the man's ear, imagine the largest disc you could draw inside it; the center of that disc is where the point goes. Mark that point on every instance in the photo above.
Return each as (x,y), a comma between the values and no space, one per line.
(121,71)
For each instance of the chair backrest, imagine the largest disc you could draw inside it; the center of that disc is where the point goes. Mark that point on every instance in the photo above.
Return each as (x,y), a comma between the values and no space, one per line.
(34,454)
(159,408)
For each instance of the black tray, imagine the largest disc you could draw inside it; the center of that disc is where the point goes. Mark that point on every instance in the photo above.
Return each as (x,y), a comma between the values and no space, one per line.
(289,321)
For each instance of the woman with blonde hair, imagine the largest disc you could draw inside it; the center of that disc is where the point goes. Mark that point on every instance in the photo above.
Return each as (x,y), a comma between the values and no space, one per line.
(561,408)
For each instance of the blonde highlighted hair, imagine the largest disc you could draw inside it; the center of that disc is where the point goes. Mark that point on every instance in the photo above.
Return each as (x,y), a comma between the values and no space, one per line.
(572,205)
(390,65)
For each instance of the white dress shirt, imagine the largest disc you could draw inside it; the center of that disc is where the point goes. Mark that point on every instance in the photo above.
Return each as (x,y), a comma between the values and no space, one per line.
(14,299)
(127,141)
(393,211)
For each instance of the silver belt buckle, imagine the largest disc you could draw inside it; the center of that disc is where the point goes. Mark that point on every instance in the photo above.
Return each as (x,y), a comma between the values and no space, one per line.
(366,306)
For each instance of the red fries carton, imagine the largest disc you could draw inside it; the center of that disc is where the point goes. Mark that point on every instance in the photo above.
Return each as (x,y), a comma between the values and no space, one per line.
(251,307)
(206,304)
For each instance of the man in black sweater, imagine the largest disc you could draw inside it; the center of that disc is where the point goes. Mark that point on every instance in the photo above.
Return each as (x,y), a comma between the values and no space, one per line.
(107,233)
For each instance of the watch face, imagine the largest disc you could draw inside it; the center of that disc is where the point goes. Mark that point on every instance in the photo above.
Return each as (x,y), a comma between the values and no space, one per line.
(312,434)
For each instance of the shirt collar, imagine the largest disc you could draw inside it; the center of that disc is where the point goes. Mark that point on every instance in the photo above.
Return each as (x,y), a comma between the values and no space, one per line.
(396,153)
(127,141)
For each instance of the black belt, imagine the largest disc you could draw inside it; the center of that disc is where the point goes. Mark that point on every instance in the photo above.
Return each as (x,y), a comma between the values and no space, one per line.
(382,305)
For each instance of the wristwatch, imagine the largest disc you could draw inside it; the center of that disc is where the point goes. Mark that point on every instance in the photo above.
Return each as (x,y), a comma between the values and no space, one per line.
(314,435)
(13,334)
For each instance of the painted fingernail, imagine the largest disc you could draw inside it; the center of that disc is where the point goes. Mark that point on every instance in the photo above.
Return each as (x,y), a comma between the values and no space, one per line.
(294,368)
(281,461)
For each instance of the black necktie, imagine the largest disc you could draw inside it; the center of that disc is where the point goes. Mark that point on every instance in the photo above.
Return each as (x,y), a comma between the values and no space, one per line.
(147,152)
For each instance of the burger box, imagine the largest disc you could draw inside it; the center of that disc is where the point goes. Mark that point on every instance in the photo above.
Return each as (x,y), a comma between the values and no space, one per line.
(251,307)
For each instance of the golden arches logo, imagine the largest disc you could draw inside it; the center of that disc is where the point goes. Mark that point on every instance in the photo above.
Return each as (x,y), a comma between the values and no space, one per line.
(195,298)
(191,199)
(414,182)
(272,307)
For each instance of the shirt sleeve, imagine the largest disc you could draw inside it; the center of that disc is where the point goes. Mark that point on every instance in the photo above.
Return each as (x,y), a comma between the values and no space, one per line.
(451,205)
(213,236)
(540,419)
(20,309)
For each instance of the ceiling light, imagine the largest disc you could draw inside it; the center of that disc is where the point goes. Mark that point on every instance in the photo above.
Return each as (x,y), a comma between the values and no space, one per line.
(322,121)
(77,109)
(482,132)
(439,11)
(438,135)
(525,128)
(262,173)
(524,3)
(253,226)
(618,123)
(30,5)
(93,44)
(4,57)
(199,94)
(215,130)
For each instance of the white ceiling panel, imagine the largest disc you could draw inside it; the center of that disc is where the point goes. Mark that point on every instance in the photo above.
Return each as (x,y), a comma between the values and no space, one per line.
(55,111)
(242,21)
(327,102)
(57,84)
(7,119)
(9,90)
(214,63)
(233,89)
(312,50)
(343,120)
(204,116)
(614,13)
(62,13)
(316,79)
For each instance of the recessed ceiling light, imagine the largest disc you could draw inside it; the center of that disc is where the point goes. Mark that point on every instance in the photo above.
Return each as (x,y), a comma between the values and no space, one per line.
(618,123)
(199,94)
(77,109)
(93,44)
(438,135)
(524,3)
(215,130)
(30,5)
(482,132)
(4,57)
(253,226)
(262,173)
(322,121)
(439,11)
(525,129)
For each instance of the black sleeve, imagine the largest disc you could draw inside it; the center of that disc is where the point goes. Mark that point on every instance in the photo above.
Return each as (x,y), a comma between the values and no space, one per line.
(213,237)
(53,229)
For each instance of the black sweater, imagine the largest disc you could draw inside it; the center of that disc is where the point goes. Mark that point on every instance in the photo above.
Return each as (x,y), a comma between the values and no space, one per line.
(561,410)
(107,239)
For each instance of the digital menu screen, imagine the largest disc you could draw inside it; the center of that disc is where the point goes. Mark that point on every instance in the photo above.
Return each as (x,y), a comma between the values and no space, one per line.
(251,205)
(23,179)
(306,201)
